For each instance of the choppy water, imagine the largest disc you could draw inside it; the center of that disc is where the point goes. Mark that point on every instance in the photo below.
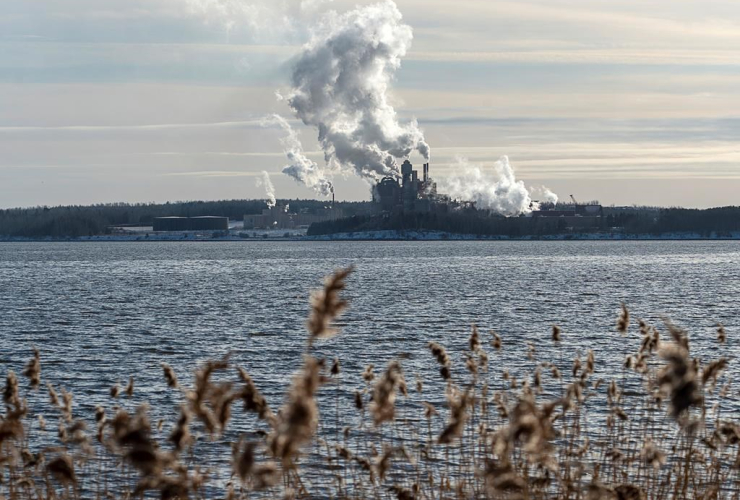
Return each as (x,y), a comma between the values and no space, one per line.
(100,312)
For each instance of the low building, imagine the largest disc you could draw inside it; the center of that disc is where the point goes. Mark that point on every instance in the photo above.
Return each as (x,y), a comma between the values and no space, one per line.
(280,217)
(204,223)
(170,224)
(574,217)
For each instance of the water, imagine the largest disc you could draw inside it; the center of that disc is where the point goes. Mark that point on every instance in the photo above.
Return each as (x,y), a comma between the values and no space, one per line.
(100,312)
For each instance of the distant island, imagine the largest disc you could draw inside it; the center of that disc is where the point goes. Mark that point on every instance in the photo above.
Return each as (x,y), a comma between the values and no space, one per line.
(322,220)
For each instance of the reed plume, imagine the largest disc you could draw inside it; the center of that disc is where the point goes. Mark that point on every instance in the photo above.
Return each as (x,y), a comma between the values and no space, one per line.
(383,407)
(32,371)
(721,334)
(169,375)
(326,305)
(556,333)
(623,322)
(458,415)
(678,380)
(10,392)
(298,418)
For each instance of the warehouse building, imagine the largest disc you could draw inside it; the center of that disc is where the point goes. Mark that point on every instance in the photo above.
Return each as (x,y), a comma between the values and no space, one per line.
(204,223)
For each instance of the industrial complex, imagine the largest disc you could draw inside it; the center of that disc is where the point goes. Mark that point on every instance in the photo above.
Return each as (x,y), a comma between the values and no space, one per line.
(412,194)
(575,216)
(409,199)
(280,217)
(419,195)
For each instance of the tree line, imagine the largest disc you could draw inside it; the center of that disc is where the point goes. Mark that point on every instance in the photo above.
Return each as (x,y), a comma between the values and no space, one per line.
(77,220)
(74,221)
(632,221)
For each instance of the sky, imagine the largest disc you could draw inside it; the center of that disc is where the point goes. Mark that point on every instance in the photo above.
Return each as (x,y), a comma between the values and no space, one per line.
(630,102)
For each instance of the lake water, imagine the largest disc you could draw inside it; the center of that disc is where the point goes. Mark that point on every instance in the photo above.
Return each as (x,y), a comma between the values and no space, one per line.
(100,312)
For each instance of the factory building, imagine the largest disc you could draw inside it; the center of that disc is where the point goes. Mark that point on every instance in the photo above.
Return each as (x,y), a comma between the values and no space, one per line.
(576,216)
(280,217)
(205,223)
(411,195)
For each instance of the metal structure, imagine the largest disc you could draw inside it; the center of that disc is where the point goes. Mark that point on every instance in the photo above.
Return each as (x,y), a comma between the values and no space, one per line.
(411,194)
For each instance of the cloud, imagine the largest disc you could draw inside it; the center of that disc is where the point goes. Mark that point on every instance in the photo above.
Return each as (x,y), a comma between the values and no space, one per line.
(125,128)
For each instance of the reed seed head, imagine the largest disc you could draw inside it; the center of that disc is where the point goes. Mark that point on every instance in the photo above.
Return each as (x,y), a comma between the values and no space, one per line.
(721,334)
(326,305)
(169,375)
(623,322)
(556,333)
(32,371)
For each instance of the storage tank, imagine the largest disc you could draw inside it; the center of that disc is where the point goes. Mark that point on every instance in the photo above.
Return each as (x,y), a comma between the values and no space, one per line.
(209,223)
(170,224)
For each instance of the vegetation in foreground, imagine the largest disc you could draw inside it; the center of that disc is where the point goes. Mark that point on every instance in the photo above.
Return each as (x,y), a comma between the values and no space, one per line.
(659,428)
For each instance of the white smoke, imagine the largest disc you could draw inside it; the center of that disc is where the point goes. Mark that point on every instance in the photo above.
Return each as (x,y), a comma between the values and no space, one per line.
(301,168)
(340,86)
(544,194)
(496,190)
(265,182)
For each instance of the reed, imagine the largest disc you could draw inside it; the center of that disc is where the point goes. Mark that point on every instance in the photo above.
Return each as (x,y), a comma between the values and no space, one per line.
(657,425)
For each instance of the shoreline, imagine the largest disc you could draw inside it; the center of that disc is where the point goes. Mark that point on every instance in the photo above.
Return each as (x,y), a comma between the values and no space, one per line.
(376,236)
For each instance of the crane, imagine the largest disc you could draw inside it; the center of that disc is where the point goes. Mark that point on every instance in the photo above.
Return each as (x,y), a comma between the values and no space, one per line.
(574,200)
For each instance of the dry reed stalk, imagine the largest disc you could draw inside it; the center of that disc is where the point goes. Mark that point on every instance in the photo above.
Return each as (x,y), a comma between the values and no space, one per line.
(297,420)
(556,333)
(253,399)
(383,408)
(326,306)
(10,392)
(721,334)
(623,322)
(678,380)
(458,403)
(169,376)
(32,371)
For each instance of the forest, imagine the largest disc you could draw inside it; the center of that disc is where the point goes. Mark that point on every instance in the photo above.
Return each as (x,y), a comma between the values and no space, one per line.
(718,222)
(75,221)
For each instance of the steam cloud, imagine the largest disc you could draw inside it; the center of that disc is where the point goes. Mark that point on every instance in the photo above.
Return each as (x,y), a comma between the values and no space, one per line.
(264,181)
(301,168)
(498,190)
(340,84)
(544,194)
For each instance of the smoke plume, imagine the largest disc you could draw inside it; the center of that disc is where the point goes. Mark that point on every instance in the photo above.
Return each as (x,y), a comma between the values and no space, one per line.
(544,194)
(301,168)
(340,85)
(264,181)
(496,190)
